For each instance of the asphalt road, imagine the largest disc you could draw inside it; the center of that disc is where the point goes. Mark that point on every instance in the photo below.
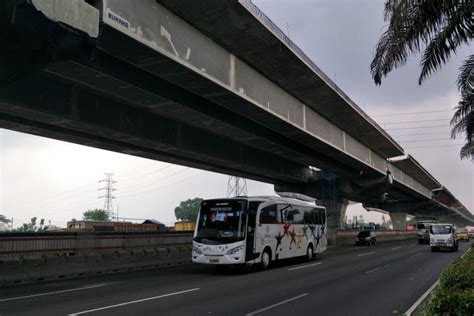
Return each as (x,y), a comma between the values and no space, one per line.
(379,280)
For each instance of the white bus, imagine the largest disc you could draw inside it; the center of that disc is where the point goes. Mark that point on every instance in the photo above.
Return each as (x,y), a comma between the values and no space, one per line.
(258,230)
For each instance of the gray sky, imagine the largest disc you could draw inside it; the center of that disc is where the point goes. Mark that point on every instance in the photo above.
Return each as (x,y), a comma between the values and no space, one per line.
(58,181)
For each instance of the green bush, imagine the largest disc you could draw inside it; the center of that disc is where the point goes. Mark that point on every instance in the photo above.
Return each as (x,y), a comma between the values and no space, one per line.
(458,276)
(455,293)
(449,302)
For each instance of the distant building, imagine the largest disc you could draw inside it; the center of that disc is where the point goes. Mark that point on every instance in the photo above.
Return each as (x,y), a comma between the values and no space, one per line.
(185,225)
(87,225)
(160,225)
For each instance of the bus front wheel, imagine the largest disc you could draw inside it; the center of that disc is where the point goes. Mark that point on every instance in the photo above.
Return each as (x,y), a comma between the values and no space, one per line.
(266,259)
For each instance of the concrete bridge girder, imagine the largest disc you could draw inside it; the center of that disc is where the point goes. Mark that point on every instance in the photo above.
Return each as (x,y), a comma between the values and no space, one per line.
(73,111)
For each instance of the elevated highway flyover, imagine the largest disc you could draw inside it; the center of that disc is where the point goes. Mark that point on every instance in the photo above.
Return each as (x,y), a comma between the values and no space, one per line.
(207,84)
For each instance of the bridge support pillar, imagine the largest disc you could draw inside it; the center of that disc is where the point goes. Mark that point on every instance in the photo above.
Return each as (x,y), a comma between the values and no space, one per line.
(336,213)
(399,220)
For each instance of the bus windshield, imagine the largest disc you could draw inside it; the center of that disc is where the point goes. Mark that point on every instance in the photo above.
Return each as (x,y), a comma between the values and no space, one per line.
(221,222)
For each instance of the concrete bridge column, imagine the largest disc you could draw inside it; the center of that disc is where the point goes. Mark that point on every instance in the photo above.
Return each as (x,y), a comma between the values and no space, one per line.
(399,220)
(336,212)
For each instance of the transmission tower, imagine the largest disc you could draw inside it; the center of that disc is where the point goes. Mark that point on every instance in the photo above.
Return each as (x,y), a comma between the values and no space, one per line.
(108,195)
(236,186)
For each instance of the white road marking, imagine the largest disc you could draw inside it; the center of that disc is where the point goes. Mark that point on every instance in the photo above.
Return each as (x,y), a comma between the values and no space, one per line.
(277,304)
(306,266)
(366,254)
(396,248)
(421,299)
(466,252)
(51,293)
(373,270)
(133,302)
(416,254)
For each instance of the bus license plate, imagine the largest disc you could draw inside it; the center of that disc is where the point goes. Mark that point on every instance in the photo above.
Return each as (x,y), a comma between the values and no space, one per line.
(213,260)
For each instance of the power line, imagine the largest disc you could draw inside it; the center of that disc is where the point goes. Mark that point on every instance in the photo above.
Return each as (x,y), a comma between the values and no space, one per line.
(419,134)
(53,197)
(75,191)
(402,128)
(32,209)
(53,211)
(153,180)
(145,185)
(453,145)
(162,186)
(145,174)
(422,140)
(417,121)
(67,198)
(64,204)
(412,113)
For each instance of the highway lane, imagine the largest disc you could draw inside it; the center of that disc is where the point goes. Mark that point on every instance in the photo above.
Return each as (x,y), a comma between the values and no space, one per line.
(382,280)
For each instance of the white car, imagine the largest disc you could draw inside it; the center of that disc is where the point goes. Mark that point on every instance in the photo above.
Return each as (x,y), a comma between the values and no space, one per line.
(443,236)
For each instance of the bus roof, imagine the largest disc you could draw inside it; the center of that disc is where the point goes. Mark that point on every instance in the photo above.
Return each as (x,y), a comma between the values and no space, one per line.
(267,198)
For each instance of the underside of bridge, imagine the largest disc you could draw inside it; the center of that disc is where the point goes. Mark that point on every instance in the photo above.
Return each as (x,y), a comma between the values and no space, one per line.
(113,92)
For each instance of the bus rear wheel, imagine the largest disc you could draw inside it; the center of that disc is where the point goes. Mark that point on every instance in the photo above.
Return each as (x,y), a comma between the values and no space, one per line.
(266,259)
(309,253)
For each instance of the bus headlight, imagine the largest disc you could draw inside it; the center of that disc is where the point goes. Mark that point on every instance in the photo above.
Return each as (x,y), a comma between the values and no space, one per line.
(235,250)
(197,250)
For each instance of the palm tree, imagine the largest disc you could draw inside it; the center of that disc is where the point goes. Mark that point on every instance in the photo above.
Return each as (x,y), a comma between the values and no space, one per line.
(437,28)
(463,118)
(4,219)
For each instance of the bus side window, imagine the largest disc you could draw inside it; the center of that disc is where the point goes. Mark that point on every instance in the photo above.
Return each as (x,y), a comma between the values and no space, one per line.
(270,215)
(322,216)
(308,217)
(316,217)
(292,215)
(298,216)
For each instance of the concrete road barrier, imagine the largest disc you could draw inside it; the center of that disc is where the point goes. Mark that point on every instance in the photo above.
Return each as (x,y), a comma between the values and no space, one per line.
(18,271)
(26,258)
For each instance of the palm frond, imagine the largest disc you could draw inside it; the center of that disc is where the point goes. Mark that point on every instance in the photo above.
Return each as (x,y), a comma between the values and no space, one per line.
(463,124)
(459,30)
(465,79)
(412,23)
(467,151)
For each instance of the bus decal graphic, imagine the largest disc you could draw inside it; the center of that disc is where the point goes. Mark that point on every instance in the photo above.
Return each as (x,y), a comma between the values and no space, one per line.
(285,228)
(299,240)
(293,235)
(278,237)
(305,230)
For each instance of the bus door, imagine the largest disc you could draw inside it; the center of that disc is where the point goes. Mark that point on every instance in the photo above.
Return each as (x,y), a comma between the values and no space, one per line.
(250,253)
(250,241)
